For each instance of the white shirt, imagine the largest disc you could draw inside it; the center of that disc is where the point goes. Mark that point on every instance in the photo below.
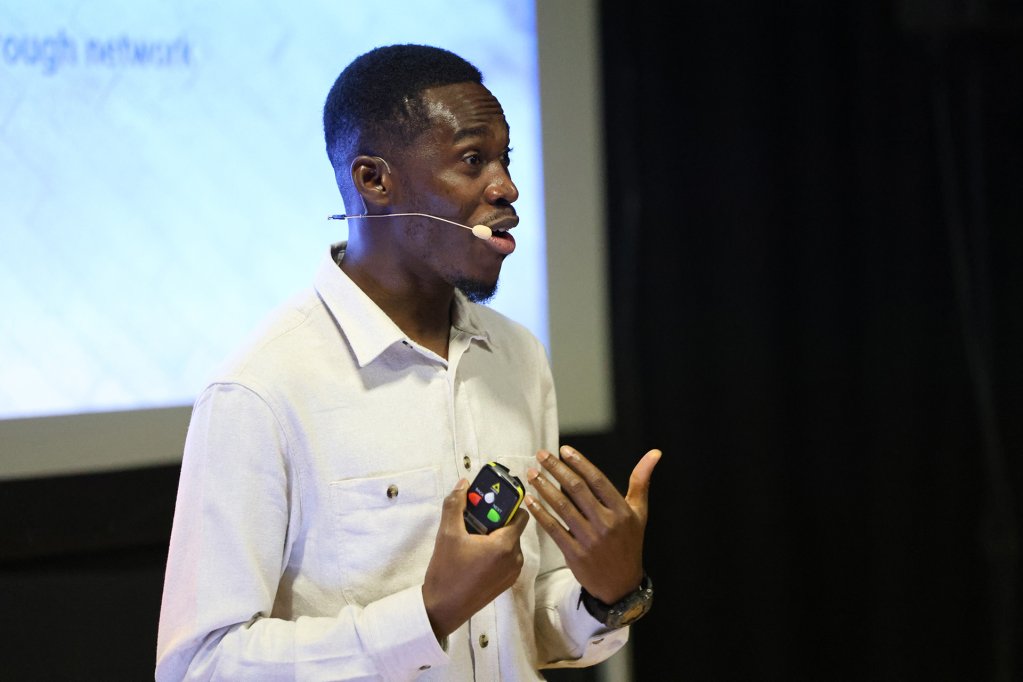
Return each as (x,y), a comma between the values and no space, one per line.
(311,490)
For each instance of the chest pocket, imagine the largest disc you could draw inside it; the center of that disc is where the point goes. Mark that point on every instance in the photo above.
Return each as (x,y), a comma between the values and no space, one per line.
(386,526)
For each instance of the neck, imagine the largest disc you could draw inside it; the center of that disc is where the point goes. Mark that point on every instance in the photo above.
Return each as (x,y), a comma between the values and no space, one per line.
(422,310)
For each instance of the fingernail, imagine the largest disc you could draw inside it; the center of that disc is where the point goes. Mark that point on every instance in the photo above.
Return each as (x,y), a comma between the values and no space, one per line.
(530,501)
(463,483)
(531,474)
(568,451)
(543,455)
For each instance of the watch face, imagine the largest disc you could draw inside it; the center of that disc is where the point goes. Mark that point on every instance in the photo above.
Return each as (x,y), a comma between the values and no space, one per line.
(633,613)
(632,610)
(627,616)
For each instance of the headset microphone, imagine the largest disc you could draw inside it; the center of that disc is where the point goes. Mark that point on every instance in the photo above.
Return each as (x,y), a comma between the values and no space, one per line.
(480,231)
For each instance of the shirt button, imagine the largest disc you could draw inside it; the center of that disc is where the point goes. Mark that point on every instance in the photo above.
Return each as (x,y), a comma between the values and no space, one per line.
(484,640)
(424,667)
(467,462)
(392,491)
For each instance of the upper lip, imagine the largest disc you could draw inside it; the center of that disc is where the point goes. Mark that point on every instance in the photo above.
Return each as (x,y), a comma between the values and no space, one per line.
(504,222)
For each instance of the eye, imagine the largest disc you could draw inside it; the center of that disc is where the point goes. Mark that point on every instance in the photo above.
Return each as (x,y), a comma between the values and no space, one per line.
(473,159)
(506,157)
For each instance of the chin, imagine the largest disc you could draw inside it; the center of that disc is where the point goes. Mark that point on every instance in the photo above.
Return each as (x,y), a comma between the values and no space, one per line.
(477,291)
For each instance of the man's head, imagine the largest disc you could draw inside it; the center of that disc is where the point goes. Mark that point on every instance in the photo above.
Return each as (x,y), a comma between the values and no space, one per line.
(376,104)
(412,129)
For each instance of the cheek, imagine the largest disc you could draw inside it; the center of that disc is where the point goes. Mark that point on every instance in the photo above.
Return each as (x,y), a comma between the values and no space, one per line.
(455,190)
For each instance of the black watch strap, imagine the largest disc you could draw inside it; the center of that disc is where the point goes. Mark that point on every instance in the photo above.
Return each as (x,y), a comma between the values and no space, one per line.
(625,611)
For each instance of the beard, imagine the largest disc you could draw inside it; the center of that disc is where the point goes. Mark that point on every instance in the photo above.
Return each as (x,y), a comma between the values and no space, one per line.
(475,290)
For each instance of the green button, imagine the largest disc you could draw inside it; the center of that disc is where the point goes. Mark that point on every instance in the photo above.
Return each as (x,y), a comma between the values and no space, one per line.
(493,515)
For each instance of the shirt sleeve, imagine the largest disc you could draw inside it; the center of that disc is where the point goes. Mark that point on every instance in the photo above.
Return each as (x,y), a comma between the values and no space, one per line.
(235,515)
(567,635)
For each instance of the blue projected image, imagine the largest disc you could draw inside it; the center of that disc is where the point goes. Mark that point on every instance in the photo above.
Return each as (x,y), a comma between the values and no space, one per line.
(163,183)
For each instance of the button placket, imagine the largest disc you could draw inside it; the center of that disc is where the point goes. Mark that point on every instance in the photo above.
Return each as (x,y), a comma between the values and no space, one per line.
(485,643)
(465,428)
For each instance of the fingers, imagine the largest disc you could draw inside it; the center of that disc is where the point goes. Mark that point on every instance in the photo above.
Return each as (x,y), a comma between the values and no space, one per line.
(563,502)
(639,482)
(584,486)
(562,538)
(586,494)
(597,482)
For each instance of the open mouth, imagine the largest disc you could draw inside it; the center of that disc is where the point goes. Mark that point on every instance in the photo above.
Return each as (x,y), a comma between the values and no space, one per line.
(501,239)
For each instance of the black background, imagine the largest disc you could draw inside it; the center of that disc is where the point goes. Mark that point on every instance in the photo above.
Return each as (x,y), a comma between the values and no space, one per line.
(815,213)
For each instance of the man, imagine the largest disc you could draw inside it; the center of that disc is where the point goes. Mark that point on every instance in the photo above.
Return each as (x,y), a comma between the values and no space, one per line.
(314,535)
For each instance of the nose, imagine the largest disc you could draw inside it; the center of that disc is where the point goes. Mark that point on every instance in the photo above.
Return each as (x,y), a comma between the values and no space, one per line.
(501,190)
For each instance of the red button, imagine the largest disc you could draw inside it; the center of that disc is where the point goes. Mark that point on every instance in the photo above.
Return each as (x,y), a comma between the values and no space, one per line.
(474,498)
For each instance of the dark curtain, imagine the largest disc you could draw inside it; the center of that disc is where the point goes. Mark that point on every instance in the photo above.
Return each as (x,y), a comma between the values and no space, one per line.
(815,214)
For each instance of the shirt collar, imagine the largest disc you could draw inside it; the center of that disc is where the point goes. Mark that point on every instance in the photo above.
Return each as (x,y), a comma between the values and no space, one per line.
(465,319)
(368,328)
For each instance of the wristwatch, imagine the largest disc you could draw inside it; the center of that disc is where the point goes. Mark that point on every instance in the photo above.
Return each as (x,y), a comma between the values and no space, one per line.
(625,611)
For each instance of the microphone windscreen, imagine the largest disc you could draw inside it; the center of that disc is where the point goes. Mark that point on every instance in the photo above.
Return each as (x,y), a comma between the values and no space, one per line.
(482,231)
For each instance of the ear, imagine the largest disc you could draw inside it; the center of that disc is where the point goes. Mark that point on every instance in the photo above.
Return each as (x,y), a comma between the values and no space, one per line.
(372,179)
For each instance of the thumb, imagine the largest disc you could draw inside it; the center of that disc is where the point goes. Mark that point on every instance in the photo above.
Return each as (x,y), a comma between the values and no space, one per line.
(517,523)
(454,506)
(639,482)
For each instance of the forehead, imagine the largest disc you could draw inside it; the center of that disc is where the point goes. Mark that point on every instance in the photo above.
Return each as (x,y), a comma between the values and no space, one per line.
(464,110)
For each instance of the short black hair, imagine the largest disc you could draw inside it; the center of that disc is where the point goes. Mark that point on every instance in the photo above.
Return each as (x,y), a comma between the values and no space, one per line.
(378,99)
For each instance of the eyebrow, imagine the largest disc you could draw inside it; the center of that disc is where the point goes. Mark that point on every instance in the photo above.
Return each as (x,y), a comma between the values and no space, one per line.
(465,133)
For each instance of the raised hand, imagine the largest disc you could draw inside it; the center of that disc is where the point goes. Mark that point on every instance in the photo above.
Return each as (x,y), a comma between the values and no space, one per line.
(602,535)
